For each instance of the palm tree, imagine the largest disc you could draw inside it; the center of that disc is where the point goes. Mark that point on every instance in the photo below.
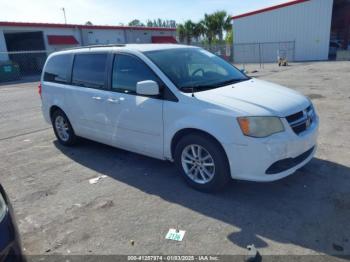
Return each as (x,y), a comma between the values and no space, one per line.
(181,32)
(222,23)
(189,31)
(228,24)
(136,22)
(198,30)
(210,26)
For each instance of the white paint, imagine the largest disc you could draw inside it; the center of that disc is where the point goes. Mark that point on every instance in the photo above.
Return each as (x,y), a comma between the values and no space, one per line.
(308,24)
(147,126)
(103,36)
(145,36)
(148,87)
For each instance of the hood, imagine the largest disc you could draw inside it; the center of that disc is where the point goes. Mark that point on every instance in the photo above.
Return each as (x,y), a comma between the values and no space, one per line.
(255,98)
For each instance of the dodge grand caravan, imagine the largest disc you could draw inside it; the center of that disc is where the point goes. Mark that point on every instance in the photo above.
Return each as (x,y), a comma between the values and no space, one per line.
(182,104)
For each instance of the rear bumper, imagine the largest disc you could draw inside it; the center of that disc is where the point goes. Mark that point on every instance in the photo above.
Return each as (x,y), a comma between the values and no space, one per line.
(46,114)
(273,158)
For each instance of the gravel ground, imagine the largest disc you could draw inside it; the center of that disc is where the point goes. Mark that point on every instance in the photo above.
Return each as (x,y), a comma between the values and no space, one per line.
(131,209)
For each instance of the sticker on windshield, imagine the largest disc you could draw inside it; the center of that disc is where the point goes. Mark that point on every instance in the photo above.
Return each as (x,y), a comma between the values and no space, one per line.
(207,53)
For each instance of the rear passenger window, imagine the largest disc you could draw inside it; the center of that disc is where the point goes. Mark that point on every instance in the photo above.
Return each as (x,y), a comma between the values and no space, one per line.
(89,70)
(57,68)
(127,71)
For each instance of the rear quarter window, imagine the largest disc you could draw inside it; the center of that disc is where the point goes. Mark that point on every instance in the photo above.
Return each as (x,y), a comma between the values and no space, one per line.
(56,69)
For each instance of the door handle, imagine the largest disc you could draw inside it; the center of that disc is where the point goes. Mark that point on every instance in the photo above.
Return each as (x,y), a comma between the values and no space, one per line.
(112,100)
(97,98)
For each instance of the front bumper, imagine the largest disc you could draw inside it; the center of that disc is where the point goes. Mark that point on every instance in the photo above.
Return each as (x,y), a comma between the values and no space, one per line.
(253,159)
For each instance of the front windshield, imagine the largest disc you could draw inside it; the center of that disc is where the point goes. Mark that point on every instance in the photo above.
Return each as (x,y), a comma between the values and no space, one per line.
(195,69)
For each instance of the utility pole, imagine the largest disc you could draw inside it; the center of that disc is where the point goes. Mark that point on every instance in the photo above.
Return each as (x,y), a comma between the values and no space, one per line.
(64,14)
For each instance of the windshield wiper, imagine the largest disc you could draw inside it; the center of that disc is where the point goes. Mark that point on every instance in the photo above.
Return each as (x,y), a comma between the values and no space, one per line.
(199,87)
(231,81)
(195,88)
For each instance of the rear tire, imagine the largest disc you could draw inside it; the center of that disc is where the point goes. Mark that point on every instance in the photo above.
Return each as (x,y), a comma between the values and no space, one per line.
(202,163)
(63,129)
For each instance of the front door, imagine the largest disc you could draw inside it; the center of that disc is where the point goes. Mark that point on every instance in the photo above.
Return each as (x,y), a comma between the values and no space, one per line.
(136,121)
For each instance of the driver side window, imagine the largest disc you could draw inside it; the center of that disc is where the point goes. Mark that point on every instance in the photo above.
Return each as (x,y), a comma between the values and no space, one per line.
(127,71)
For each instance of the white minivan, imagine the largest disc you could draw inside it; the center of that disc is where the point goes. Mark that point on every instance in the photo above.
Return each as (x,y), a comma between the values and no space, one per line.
(182,104)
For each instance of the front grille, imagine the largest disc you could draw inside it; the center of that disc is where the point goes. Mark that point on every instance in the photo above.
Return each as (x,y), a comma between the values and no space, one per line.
(288,163)
(295,117)
(301,120)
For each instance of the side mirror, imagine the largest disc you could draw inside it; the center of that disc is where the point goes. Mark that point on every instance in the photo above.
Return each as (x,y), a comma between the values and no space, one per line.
(148,88)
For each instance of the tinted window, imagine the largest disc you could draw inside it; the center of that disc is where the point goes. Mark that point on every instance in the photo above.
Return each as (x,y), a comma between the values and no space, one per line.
(89,70)
(56,69)
(127,71)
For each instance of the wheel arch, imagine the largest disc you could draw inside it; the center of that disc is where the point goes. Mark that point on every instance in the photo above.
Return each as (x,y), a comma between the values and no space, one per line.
(187,131)
(53,109)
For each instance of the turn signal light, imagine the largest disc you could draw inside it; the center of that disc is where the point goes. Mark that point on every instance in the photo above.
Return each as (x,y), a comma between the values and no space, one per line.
(244,124)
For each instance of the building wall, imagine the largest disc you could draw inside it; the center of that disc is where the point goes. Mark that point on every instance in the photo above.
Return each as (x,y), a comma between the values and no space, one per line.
(85,36)
(307,23)
(96,37)
(122,36)
(46,31)
(145,36)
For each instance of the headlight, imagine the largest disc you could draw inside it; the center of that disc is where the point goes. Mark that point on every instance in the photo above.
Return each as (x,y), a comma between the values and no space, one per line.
(3,208)
(260,126)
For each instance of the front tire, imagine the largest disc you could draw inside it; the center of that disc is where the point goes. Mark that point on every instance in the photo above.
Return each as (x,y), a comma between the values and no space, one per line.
(202,162)
(63,129)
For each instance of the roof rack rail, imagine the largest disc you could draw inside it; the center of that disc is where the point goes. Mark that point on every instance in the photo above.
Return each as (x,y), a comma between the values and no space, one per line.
(93,46)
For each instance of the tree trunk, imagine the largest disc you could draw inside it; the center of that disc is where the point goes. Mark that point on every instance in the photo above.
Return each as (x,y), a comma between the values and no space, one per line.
(221,36)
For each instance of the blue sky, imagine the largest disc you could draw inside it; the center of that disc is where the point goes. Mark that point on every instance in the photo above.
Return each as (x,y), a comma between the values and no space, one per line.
(113,12)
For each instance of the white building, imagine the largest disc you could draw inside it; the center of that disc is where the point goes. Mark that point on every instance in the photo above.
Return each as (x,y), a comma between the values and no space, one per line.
(40,39)
(300,29)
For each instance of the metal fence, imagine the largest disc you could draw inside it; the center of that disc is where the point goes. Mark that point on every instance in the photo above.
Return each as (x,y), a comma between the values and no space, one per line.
(17,65)
(223,50)
(263,52)
(244,53)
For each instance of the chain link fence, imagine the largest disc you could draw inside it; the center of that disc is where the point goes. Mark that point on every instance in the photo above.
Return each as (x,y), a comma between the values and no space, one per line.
(261,53)
(223,50)
(20,65)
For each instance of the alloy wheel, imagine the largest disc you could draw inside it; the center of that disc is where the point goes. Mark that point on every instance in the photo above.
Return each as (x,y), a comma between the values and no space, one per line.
(62,128)
(198,164)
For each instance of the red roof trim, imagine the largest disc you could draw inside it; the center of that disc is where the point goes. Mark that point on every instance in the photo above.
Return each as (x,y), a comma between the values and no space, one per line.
(50,25)
(164,40)
(270,8)
(62,40)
